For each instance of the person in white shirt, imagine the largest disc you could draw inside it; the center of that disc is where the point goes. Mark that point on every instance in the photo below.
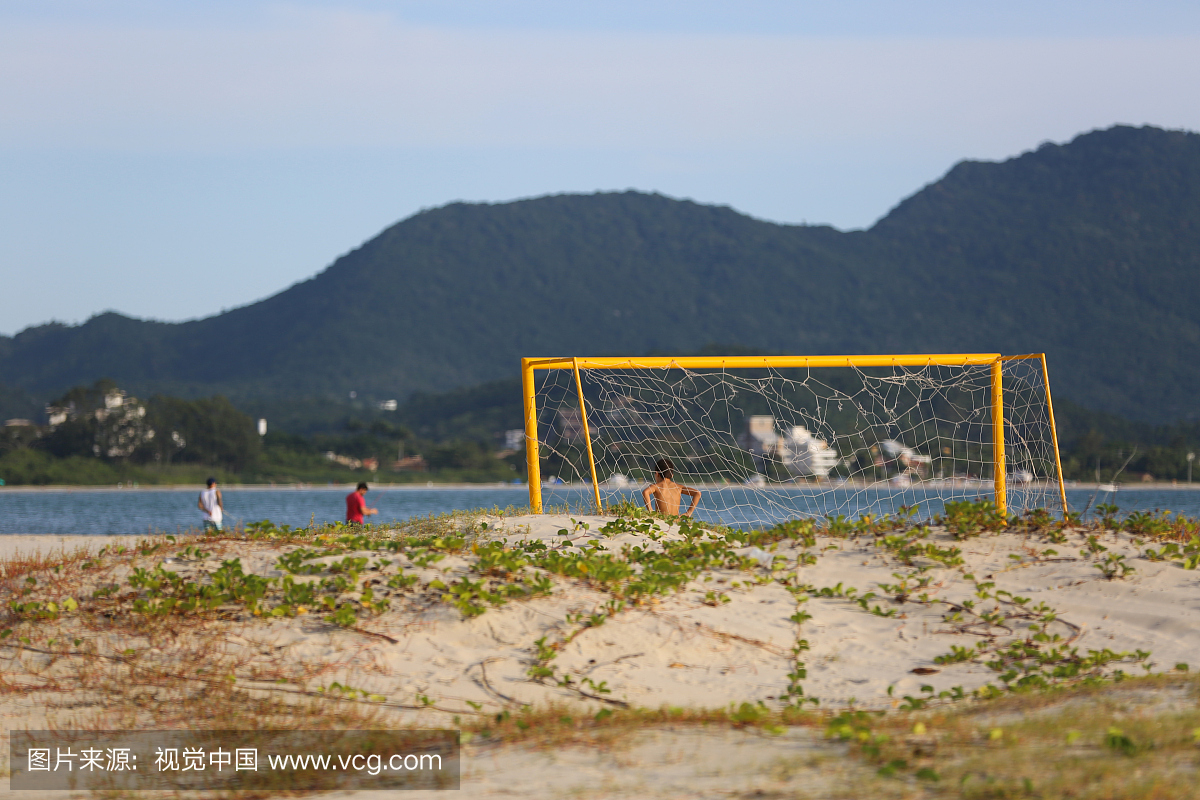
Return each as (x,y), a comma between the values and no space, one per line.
(212,506)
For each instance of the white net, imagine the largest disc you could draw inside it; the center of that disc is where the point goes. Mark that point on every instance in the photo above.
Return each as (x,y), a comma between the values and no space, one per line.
(766,445)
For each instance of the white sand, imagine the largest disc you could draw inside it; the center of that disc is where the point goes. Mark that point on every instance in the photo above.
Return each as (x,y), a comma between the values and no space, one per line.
(679,651)
(16,545)
(682,652)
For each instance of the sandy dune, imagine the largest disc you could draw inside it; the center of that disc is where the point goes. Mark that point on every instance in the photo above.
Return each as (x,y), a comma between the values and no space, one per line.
(678,650)
(726,638)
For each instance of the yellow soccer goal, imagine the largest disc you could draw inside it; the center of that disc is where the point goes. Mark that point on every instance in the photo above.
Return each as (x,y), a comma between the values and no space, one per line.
(770,438)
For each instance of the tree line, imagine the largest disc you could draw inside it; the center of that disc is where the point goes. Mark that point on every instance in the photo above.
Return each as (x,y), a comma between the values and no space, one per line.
(100,434)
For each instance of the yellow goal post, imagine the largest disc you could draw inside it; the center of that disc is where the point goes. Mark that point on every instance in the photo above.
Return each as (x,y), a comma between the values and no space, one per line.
(576,364)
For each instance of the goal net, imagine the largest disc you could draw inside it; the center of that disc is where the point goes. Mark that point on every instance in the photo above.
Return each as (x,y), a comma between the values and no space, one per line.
(768,439)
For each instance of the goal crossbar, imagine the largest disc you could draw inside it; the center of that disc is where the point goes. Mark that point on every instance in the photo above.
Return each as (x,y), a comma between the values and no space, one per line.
(751,362)
(576,363)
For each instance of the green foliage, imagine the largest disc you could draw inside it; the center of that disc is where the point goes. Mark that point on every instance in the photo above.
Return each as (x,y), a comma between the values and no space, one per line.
(474,413)
(344,616)
(544,653)
(460,454)
(471,598)
(966,518)
(1108,515)
(349,565)
(907,546)
(402,581)
(265,529)
(30,467)
(164,592)
(213,432)
(1119,742)
(440,297)
(1095,445)
(1113,566)
(294,562)
(497,559)
(748,714)
(857,729)
(957,655)
(164,429)
(297,594)
(183,441)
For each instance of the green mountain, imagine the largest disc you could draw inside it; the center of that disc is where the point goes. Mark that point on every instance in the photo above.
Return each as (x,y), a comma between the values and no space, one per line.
(1088,251)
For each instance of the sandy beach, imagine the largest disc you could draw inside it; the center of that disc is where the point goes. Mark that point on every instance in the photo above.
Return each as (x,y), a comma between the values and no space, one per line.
(447,630)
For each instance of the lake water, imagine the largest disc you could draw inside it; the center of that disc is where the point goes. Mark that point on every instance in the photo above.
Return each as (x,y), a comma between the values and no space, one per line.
(137,511)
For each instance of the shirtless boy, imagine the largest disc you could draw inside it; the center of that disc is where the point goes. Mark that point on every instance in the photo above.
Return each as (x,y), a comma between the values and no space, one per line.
(666,492)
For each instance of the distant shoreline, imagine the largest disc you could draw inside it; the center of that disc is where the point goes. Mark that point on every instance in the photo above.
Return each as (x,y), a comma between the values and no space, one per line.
(266,487)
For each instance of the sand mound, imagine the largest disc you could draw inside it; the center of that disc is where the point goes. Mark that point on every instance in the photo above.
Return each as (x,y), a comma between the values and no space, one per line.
(509,614)
(473,616)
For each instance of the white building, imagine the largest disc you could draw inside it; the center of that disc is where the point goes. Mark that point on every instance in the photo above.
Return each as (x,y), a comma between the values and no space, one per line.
(759,437)
(801,453)
(805,455)
(57,415)
(905,460)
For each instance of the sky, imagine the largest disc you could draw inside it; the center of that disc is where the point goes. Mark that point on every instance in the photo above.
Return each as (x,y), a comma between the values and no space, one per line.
(170,160)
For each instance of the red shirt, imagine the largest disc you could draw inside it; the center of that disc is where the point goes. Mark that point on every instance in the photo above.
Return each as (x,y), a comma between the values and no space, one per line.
(355,503)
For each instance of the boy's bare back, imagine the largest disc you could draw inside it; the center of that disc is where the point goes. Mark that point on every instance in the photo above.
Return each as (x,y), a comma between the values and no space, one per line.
(666,495)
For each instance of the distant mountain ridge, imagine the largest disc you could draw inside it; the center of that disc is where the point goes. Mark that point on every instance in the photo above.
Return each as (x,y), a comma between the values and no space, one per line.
(1089,251)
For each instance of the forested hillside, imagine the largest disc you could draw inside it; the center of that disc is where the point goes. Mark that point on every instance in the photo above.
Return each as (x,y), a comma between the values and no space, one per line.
(1088,251)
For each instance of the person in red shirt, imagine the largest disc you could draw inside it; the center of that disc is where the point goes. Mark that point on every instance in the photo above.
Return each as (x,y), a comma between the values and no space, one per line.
(356,505)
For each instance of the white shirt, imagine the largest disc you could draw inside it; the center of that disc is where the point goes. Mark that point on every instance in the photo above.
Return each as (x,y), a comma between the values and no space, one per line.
(208,499)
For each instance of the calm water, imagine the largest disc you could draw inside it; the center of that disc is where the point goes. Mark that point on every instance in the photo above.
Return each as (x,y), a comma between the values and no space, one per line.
(133,511)
(136,511)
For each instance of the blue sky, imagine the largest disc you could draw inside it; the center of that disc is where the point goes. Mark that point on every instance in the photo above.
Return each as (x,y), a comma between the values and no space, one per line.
(168,160)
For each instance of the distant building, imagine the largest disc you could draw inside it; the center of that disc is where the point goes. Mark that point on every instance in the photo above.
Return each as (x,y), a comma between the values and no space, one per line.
(121,421)
(805,455)
(123,427)
(760,436)
(797,450)
(345,461)
(262,427)
(904,460)
(57,415)
(388,405)
(410,464)
(18,423)
(514,439)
